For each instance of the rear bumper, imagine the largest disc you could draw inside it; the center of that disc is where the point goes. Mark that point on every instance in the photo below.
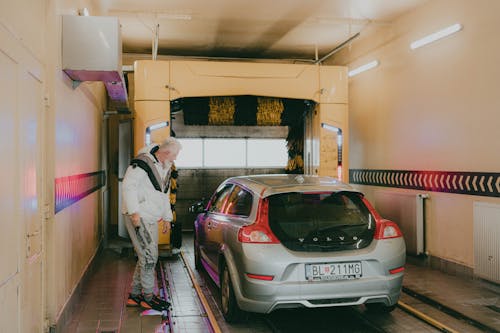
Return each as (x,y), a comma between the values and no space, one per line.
(290,289)
(266,297)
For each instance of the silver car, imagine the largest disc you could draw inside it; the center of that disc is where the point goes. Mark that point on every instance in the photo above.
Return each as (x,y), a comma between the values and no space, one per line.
(286,241)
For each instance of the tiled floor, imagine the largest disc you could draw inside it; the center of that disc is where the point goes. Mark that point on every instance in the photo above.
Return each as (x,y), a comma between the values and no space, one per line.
(475,299)
(102,306)
(102,301)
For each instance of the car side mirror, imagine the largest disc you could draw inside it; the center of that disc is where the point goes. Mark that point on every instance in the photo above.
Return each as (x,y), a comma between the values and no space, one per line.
(198,207)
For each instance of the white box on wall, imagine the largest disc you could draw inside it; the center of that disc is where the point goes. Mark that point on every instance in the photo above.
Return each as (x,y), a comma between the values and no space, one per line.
(91,43)
(92,51)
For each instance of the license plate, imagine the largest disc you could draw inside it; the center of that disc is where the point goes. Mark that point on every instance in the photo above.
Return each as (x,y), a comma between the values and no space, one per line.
(334,271)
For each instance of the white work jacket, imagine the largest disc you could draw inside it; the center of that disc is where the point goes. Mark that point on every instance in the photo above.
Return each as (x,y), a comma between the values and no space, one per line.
(140,196)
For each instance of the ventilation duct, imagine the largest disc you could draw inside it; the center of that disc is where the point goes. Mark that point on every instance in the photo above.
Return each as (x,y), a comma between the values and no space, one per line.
(92,51)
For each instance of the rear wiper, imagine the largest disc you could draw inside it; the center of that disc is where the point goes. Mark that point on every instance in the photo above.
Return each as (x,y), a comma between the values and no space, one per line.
(319,247)
(347,225)
(309,246)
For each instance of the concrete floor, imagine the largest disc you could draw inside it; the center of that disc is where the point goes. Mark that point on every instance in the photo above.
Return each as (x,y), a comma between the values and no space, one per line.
(102,302)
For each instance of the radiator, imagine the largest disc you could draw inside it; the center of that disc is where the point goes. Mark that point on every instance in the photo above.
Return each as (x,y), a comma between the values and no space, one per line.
(407,210)
(487,241)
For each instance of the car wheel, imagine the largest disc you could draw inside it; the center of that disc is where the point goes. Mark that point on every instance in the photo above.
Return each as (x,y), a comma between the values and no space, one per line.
(230,310)
(379,307)
(197,259)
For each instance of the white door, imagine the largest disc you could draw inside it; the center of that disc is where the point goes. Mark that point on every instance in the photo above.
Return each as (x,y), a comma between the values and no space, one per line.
(21,108)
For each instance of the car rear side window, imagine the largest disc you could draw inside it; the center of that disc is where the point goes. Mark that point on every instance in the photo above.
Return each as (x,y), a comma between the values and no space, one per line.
(219,199)
(239,202)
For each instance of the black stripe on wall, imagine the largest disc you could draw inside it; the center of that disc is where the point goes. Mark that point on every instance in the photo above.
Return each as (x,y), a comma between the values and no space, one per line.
(71,189)
(471,183)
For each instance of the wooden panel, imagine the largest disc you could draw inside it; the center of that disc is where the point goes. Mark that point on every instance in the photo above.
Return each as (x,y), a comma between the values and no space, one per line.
(21,106)
(333,115)
(151,80)
(328,153)
(31,296)
(9,307)
(333,84)
(29,152)
(210,78)
(149,113)
(26,18)
(29,141)
(9,202)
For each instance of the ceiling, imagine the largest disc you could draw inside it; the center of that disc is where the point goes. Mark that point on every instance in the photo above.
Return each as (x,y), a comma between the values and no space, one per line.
(263,29)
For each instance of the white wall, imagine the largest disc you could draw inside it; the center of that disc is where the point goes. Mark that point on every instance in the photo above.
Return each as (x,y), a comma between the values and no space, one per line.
(75,232)
(434,108)
(47,130)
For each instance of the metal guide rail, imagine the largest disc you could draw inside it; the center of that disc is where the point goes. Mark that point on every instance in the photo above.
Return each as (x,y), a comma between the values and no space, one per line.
(214,326)
(187,313)
(166,325)
(356,319)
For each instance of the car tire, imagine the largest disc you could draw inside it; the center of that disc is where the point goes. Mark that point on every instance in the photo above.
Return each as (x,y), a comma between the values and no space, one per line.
(379,307)
(230,310)
(197,259)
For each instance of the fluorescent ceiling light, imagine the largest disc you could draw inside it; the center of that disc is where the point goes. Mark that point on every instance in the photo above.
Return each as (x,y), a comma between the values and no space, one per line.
(166,16)
(435,36)
(363,68)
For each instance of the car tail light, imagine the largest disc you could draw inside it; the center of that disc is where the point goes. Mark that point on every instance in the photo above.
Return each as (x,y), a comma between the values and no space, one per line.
(397,270)
(260,277)
(259,231)
(387,229)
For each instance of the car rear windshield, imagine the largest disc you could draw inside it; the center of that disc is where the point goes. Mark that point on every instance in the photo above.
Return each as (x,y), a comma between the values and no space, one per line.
(321,221)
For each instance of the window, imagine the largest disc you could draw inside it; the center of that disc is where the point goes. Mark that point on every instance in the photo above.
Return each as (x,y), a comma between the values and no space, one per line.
(217,203)
(191,154)
(302,214)
(232,153)
(224,153)
(321,221)
(239,202)
(266,153)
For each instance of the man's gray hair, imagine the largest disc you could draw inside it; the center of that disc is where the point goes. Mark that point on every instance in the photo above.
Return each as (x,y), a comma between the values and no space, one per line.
(170,144)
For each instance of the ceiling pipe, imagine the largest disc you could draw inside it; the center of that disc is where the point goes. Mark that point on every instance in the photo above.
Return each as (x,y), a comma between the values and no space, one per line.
(183,57)
(155,41)
(338,48)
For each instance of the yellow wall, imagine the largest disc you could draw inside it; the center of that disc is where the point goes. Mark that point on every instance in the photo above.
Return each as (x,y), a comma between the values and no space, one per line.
(434,108)
(47,130)
(158,82)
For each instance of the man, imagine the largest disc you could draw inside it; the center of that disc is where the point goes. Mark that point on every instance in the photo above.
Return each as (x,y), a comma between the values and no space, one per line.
(146,201)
